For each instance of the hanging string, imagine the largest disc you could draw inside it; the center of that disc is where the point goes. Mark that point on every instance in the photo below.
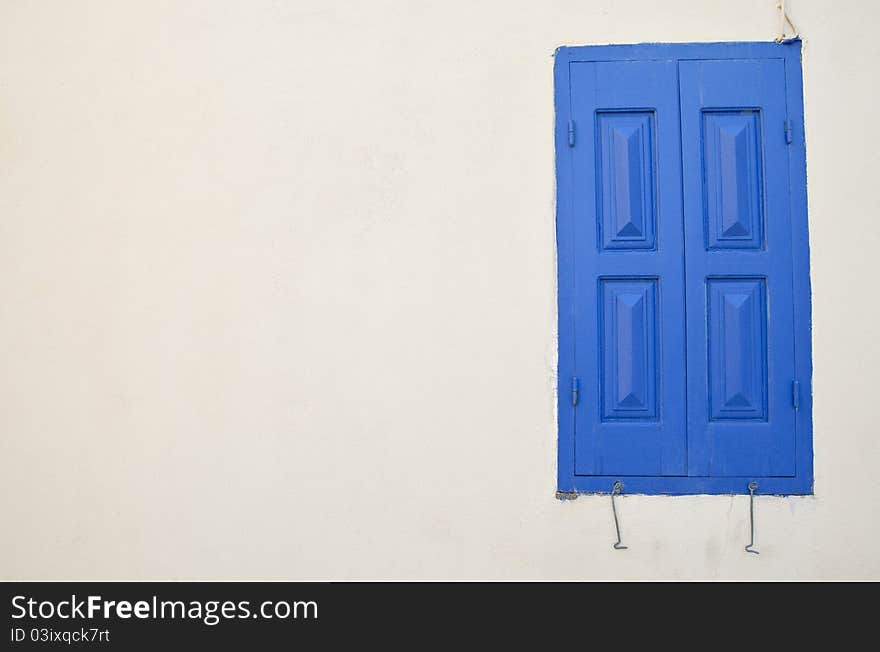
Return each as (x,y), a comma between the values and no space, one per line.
(784,18)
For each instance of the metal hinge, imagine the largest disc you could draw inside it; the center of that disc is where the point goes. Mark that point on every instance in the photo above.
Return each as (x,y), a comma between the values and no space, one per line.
(795,394)
(787,131)
(571,133)
(575,387)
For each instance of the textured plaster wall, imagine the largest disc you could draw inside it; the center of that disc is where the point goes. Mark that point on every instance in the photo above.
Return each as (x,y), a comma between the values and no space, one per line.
(277,295)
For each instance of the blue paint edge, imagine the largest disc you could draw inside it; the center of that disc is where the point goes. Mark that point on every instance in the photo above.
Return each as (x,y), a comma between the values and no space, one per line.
(565,272)
(567,481)
(803,341)
(690,486)
(681,51)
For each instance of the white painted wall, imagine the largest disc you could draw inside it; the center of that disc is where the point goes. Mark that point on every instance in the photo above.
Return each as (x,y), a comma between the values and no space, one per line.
(277,287)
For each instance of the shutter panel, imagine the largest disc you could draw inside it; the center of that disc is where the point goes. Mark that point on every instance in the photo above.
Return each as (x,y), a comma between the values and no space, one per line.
(628,249)
(740,324)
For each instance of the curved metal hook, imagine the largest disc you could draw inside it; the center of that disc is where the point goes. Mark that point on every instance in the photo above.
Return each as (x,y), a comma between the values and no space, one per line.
(616,489)
(784,18)
(752,488)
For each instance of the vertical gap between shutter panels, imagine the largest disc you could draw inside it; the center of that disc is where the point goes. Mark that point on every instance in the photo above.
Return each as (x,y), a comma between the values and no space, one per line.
(684,267)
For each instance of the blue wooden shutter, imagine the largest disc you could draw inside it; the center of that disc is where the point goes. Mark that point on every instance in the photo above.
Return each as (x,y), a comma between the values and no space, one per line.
(684,305)
(628,269)
(741,417)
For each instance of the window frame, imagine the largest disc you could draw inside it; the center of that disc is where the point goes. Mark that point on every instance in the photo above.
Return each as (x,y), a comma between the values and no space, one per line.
(567,481)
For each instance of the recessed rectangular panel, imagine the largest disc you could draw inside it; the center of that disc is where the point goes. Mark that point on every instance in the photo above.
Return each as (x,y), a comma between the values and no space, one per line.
(626,179)
(737,326)
(733,179)
(628,330)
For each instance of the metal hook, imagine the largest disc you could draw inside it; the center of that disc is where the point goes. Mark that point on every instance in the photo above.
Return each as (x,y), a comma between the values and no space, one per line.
(616,489)
(752,487)
(784,18)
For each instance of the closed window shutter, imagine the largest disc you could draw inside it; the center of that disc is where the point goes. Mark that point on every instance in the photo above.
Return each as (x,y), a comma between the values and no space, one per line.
(629,270)
(679,288)
(739,268)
